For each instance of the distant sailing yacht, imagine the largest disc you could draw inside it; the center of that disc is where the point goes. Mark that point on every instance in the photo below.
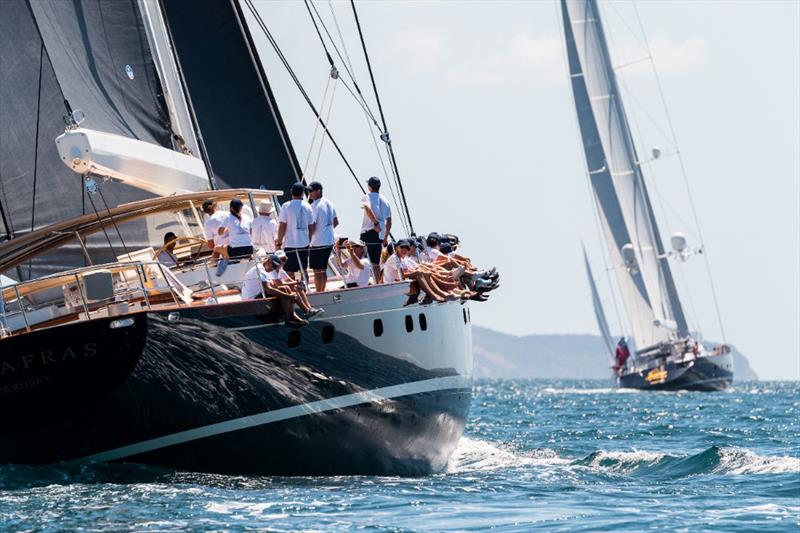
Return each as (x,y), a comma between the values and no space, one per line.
(667,356)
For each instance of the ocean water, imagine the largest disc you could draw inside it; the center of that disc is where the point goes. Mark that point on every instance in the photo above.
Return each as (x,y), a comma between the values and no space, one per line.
(552,456)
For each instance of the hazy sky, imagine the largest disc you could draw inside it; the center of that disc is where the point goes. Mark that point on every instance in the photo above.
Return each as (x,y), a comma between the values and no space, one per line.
(481,116)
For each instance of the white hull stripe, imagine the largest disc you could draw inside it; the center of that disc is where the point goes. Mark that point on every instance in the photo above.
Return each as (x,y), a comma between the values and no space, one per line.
(286,413)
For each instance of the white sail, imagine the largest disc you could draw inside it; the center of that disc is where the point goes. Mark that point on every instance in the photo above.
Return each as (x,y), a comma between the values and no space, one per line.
(642,272)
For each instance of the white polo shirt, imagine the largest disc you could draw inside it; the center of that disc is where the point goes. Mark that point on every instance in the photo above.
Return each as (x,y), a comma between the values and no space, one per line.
(392,269)
(212,224)
(239,230)
(264,231)
(297,216)
(381,210)
(324,214)
(253,278)
(355,275)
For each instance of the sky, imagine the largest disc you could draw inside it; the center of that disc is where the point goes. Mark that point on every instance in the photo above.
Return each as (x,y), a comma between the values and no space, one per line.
(480,113)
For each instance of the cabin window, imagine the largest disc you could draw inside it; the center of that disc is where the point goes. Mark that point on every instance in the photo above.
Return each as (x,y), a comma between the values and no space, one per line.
(409,323)
(469,315)
(377,327)
(294,339)
(327,334)
(423,322)
(464,310)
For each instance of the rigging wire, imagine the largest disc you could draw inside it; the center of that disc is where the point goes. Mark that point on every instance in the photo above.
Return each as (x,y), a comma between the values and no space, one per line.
(114,222)
(684,175)
(385,136)
(358,96)
(284,61)
(316,129)
(328,121)
(348,67)
(367,114)
(36,147)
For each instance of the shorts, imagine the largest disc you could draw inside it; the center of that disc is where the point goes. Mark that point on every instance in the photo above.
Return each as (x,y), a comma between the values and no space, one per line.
(374,245)
(292,256)
(318,257)
(239,251)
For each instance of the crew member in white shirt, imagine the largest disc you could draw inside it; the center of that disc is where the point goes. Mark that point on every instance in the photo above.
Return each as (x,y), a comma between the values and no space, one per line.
(433,247)
(394,266)
(325,220)
(295,228)
(238,226)
(264,230)
(262,280)
(377,223)
(214,218)
(357,267)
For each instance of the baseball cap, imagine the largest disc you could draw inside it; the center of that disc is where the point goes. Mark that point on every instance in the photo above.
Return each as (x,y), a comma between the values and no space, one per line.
(298,189)
(404,243)
(314,186)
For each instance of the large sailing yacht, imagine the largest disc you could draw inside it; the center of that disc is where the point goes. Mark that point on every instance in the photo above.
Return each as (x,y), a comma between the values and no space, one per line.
(107,354)
(665,355)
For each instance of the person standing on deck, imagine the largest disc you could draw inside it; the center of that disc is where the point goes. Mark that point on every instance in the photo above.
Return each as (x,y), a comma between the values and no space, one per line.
(238,225)
(377,223)
(264,230)
(295,228)
(213,221)
(325,220)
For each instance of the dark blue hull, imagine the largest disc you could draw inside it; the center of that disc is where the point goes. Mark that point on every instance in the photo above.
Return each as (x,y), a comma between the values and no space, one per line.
(709,373)
(227,389)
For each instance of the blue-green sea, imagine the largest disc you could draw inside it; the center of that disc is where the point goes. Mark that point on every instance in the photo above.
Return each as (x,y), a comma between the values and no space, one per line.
(537,455)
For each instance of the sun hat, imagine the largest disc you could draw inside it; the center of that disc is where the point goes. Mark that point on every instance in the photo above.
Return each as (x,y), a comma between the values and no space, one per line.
(265,207)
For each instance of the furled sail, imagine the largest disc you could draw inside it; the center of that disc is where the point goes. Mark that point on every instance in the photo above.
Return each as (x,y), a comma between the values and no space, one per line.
(642,272)
(599,313)
(57,56)
(244,136)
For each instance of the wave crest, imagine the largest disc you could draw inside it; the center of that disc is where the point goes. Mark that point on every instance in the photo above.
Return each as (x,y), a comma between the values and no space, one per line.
(474,455)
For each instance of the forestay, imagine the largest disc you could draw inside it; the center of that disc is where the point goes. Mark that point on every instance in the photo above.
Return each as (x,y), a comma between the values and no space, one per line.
(642,272)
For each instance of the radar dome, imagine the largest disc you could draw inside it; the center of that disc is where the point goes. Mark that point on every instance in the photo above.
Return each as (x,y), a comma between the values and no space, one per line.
(678,241)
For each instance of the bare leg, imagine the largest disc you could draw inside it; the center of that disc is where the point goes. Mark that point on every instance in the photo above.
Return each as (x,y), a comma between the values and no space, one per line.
(320,280)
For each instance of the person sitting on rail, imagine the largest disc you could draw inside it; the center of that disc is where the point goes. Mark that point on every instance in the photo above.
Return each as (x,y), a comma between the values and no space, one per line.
(264,230)
(358,268)
(298,287)
(432,244)
(261,281)
(393,266)
(238,225)
(167,256)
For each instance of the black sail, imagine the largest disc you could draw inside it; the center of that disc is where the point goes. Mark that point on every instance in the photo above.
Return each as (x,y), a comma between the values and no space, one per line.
(242,130)
(61,54)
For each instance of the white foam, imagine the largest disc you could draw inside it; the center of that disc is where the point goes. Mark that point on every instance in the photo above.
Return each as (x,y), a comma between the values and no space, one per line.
(605,390)
(624,460)
(742,461)
(482,456)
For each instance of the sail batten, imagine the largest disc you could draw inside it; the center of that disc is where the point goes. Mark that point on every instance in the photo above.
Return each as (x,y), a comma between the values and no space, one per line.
(640,265)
